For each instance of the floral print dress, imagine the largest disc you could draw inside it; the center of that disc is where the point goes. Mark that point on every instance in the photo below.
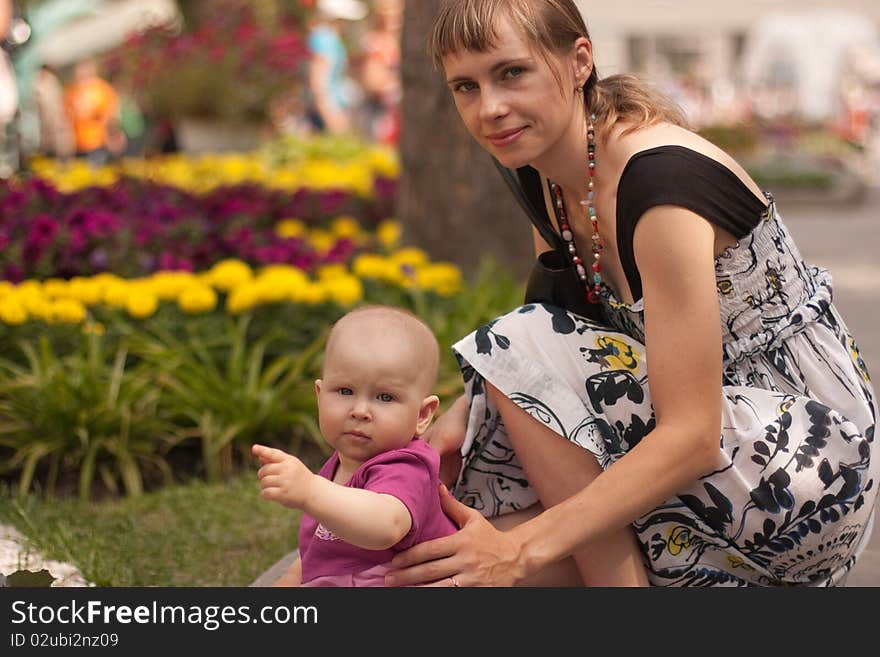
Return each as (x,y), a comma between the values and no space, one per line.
(791,503)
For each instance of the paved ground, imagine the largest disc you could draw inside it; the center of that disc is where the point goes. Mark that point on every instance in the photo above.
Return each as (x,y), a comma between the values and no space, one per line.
(846,239)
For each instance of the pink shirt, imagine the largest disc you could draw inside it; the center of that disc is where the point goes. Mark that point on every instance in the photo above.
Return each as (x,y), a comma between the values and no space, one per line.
(411,474)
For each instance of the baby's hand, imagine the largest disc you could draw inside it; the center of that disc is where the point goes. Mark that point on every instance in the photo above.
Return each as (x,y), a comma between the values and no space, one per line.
(283,478)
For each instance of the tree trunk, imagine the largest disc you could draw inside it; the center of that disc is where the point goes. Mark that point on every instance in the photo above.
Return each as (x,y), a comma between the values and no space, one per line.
(451,200)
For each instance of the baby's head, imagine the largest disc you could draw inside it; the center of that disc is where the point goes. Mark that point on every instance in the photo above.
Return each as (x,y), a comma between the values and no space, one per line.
(380,366)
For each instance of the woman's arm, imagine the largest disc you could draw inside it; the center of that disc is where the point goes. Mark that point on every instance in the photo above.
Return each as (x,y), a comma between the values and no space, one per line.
(674,252)
(370,520)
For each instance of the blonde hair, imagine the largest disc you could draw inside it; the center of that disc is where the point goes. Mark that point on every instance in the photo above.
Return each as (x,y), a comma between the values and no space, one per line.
(553,26)
(409,323)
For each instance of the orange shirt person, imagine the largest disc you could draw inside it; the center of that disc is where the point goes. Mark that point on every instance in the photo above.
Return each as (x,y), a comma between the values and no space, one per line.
(91,103)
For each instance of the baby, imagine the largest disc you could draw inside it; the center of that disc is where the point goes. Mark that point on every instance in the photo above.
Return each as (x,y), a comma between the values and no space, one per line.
(378,493)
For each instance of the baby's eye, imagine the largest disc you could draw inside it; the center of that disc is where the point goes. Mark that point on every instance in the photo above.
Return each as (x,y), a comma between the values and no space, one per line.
(346,391)
(385,397)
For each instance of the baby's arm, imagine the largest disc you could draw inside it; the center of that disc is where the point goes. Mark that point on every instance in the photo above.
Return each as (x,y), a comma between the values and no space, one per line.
(374,521)
(292,576)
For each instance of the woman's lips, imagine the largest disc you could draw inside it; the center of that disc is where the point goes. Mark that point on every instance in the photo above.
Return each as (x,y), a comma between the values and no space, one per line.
(506,138)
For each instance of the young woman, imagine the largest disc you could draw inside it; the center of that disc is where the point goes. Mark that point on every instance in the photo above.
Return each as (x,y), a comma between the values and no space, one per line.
(747,461)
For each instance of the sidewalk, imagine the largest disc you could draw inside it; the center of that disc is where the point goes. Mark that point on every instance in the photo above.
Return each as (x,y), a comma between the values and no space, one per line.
(845,238)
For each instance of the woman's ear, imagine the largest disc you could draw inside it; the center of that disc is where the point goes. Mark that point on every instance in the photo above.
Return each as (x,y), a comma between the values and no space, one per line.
(583,61)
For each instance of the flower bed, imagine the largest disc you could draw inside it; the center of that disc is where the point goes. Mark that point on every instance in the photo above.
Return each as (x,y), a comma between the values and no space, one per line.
(151,332)
(179,213)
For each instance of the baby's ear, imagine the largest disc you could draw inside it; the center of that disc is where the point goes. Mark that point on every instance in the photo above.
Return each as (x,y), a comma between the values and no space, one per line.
(317,386)
(426,413)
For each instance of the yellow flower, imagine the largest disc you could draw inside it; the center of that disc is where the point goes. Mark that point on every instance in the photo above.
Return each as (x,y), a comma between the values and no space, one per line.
(116,293)
(287,228)
(856,356)
(55,287)
(87,290)
(37,306)
(321,240)
(29,287)
(277,283)
(6,288)
(168,285)
(442,278)
(618,354)
(141,303)
(345,226)
(736,561)
(412,256)
(229,274)
(69,311)
(309,294)
(197,299)
(96,328)
(385,162)
(345,290)
(678,539)
(12,311)
(370,265)
(389,233)
(327,272)
(242,298)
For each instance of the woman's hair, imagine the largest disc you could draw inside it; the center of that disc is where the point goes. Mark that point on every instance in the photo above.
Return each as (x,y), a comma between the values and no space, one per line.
(553,26)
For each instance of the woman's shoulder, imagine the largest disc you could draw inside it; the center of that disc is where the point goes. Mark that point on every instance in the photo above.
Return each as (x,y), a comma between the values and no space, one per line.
(629,144)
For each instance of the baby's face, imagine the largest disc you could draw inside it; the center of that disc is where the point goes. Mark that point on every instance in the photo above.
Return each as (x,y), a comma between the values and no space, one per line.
(370,398)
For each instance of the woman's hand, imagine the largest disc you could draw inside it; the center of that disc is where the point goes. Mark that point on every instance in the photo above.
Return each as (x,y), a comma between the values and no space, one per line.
(476,555)
(446,435)
(283,478)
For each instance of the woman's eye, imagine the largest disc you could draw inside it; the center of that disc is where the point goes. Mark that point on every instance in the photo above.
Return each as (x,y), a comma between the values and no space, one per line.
(385,397)
(514,71)
(465,86)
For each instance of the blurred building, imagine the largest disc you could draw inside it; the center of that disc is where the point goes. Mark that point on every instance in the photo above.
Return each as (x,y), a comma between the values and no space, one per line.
(721,59)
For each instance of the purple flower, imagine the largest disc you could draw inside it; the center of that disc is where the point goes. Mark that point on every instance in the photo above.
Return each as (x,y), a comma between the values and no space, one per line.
(331,201)
(13,273)
(98,259)
(43,230)
(77,239)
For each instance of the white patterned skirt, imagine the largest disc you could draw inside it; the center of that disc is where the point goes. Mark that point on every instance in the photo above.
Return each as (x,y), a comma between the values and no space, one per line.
(792,503)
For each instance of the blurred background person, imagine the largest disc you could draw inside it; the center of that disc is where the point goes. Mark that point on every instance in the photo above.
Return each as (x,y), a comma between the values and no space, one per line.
(333,94)
(56,132)
(8,93)
(92,106)
(381,72)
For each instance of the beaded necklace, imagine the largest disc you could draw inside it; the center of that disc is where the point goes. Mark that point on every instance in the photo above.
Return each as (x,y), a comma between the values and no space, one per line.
(593,288)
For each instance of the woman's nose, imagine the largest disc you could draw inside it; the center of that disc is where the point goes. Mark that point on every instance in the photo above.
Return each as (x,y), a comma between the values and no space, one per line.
(493,105)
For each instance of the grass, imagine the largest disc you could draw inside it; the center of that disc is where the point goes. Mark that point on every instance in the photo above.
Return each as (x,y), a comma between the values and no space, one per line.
(197,534)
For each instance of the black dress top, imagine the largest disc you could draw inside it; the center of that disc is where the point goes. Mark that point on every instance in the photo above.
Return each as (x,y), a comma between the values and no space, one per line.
(676,175)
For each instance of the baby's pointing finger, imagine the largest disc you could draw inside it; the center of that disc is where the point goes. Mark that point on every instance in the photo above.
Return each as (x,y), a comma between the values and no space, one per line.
(268,454)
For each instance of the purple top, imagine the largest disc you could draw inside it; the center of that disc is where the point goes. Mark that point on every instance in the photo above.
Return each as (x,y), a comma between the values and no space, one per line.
(411,474)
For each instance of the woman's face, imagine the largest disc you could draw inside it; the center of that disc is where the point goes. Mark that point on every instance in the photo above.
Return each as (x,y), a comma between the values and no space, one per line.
(509,98)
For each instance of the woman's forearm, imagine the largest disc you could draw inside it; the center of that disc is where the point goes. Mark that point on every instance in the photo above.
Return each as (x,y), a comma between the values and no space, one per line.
(364,518)
(661,465)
